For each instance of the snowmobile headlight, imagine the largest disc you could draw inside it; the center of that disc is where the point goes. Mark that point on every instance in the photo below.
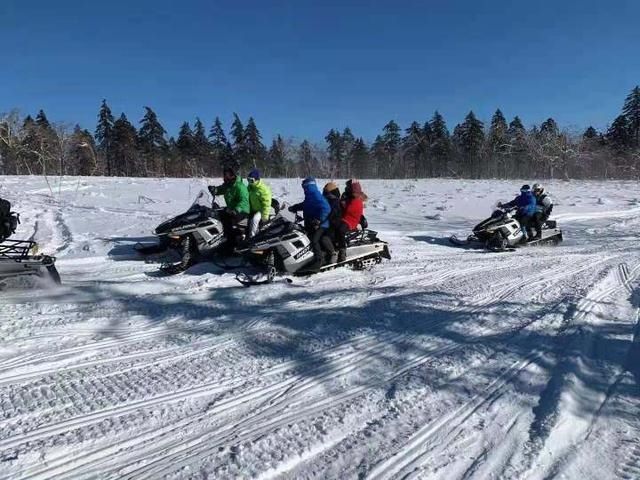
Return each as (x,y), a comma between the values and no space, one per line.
(174,237)
(258,252)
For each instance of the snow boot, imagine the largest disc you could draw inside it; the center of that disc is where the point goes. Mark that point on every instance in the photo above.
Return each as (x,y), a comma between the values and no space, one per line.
(342,255)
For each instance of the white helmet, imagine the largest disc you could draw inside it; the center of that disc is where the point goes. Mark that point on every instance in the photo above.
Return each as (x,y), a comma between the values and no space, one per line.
(537,188)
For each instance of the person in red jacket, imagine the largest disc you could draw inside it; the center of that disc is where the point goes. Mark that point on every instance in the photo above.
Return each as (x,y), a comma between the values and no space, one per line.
(352,210)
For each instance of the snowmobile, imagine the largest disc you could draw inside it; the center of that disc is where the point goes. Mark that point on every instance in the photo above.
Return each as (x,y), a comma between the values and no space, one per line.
(192,234)
(18,257)
(502,231)
(197,233)
(283,247)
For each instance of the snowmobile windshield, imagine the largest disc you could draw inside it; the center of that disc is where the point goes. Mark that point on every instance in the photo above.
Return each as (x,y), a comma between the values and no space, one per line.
(203,199)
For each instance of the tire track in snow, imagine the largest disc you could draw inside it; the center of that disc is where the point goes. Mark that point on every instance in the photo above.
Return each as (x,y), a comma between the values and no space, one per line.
(571,356)
(410,457)
(172,458)
(367,346)
(447,428)
(261,422)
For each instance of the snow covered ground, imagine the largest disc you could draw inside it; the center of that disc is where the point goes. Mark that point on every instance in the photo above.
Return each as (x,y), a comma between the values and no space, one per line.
(442,363)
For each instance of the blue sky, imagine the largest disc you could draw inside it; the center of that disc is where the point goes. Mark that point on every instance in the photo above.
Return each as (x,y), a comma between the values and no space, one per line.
(303,67)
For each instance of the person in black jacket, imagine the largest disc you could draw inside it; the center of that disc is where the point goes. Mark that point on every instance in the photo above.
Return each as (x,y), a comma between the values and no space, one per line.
(332,193)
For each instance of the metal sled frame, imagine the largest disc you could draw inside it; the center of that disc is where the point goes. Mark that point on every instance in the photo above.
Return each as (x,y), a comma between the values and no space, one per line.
(15,259)
(17,250)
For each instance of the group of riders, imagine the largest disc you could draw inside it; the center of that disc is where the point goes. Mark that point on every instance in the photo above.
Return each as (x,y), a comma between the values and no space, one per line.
(328,215)
(533,209)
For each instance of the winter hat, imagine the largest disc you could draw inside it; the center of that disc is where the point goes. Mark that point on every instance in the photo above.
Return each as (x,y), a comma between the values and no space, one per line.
(356,188)
(525,188)
(330,187)
(255,173)
(308,181)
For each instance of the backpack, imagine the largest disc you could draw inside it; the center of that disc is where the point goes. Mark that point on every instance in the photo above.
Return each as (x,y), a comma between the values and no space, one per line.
(8,221)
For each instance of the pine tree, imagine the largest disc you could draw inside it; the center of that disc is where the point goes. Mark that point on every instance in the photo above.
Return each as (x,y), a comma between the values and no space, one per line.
(439,149)
(220,146)
(631,110)
(590,133)
(47,146)
(379,156)
(277,158)
(414,151)
(153,144)
(497,142)
(254,148)
(470,137)
(104,137)
(360,159)
(30,147)
(202,148)
(335,151)
(347,143)
(517,138)
(307,162)
(124,147)
(186,150)
(42,122)
(82,156)
(392,141)
(549,128)
(239,154)
(618,134)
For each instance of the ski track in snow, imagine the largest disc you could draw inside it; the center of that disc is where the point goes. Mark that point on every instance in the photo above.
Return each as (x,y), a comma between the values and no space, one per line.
(441,363)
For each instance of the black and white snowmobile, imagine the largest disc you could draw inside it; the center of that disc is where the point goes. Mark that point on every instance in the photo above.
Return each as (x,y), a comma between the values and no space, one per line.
(502,231)
(193,234)
(18,257)
(283,247)
(198,233)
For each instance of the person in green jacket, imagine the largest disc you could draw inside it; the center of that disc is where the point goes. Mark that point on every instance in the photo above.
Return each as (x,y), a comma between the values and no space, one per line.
(259,202)
(236,196)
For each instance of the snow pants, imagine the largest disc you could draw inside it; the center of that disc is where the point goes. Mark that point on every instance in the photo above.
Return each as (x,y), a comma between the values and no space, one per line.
(253,224)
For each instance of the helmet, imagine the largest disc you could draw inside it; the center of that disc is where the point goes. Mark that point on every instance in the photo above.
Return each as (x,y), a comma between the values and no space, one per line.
(538,188)
(229,170)
(308,181)
(525,188)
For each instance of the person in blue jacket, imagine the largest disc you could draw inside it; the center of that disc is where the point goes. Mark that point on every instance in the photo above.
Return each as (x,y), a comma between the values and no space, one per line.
(526,205)
(316,212)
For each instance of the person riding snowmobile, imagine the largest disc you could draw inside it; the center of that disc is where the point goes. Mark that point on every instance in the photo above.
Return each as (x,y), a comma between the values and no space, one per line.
(332,193)
(316,212)
(352,211)
(526,204)
(236,196)
(8,222)
(544,206)
(259,202)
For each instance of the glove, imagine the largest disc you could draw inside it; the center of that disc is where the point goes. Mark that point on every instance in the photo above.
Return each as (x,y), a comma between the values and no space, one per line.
(212,190)
(315,223)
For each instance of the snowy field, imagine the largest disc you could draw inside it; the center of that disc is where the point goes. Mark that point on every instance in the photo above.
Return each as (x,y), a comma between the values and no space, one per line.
(443,363)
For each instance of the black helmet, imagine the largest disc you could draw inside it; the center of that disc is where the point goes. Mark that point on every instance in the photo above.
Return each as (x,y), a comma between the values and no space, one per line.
(525,188)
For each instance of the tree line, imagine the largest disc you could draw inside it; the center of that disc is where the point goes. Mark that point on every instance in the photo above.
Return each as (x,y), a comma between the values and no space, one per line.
(502,149)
